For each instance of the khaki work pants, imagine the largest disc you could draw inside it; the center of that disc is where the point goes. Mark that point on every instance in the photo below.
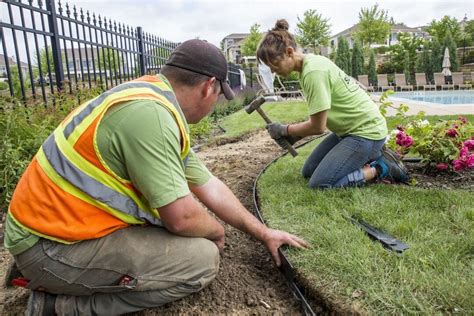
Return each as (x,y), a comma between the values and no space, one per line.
(129,270)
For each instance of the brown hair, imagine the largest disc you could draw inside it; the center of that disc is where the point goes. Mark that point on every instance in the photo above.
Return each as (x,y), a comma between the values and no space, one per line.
(274,44)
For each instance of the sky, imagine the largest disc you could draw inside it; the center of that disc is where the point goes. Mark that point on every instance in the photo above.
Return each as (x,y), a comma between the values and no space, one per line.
(212,20)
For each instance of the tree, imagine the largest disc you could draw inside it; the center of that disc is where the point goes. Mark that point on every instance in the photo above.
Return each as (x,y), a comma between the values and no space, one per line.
(468,34)
(313,30)
(436,55)
(440,29)
(407,67)
(343,55)
(451,45)
(44,57)
(373,26)
(357,60)
(249,47)
(372,69)
(410,44)
(108,59)
(16,83)
(425,64)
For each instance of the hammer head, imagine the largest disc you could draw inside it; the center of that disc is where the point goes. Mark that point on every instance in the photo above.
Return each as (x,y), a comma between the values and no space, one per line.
(255,104)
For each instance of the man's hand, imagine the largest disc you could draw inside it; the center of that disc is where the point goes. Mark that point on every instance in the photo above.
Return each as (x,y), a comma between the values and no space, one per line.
(277,130)
(273,239)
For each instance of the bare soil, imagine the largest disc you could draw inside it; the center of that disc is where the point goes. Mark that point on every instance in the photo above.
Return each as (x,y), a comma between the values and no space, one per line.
(248,282)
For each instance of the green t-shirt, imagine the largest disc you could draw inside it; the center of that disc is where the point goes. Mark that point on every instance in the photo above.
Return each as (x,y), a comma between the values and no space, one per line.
(350,109)
(140,141)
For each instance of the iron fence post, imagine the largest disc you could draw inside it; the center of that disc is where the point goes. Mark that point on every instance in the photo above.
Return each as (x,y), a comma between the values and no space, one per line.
(251,78)
(141,50)
(55,45)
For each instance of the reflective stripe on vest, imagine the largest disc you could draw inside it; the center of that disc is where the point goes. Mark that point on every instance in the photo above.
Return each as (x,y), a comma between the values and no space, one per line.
(92,187)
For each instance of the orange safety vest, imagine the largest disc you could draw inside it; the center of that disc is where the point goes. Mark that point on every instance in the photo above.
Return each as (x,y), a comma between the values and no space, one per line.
(68,193)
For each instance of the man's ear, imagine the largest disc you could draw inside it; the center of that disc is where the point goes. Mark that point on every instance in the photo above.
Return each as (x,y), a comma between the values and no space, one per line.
(208,88)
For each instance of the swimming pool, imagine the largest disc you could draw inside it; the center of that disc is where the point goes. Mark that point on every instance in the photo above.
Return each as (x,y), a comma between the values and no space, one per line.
(440,97)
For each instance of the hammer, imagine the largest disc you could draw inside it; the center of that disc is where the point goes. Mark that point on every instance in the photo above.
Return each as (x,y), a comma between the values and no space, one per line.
(255,105)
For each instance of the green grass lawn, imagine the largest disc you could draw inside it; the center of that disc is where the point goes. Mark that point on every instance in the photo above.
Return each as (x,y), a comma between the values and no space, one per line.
(435,275)
(241,122)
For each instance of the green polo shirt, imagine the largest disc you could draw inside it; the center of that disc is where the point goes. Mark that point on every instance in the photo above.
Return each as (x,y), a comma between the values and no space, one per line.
(350,109)
(140,141)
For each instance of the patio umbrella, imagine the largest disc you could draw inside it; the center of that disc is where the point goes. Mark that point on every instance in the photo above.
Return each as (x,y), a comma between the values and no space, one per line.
(446,63)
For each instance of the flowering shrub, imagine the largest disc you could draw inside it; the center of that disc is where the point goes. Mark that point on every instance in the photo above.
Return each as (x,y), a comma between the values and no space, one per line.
(446,145)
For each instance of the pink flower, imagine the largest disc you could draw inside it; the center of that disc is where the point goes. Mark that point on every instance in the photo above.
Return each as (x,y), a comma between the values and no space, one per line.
(458,164)
(470,161)
(442,166)
(404,140)
(462,119)
(464,152)
(407,142)
(452,132)
(469,144)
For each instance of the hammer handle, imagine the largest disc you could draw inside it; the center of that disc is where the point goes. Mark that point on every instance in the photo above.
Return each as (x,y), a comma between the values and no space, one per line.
(264,116)
(268,121)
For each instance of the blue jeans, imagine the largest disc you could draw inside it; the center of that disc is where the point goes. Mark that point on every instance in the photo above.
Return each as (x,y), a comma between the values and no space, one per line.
(338,161)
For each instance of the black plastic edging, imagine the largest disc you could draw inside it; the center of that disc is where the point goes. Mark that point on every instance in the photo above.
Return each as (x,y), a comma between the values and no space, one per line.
(286,267)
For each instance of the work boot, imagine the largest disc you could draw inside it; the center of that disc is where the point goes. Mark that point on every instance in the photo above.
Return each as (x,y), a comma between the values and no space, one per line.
(41,304)
(390,167)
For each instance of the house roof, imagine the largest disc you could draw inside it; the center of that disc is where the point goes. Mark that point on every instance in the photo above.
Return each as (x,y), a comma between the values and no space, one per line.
(11,61)
(237,35)
(346,31)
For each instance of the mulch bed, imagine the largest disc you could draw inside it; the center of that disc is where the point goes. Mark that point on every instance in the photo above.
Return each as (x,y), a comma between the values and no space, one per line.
(430,178)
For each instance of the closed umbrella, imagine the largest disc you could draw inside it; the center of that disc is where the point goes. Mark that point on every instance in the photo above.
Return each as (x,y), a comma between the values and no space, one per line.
(446,63)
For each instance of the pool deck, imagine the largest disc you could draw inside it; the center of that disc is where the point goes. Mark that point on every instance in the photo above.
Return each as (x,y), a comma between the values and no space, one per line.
(428,108)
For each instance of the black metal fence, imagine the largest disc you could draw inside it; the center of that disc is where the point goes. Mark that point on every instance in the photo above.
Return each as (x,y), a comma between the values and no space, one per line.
(48,46)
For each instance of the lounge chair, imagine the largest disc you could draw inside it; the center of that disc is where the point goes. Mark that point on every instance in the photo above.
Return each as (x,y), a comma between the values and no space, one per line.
(420,79)
(439,81)
(382,82)
(458,81)
(364,83)
(401,82)
(289,89)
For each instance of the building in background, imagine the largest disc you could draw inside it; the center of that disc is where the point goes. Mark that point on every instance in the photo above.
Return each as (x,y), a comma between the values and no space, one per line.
(232,46)
(12,63)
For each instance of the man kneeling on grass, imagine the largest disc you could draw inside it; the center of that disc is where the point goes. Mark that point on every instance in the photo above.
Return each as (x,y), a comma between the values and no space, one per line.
(103,220)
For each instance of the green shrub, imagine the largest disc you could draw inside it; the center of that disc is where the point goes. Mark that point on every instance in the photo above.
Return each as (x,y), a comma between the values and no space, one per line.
(3,85)
(225,107)
(24,129)
(201,130)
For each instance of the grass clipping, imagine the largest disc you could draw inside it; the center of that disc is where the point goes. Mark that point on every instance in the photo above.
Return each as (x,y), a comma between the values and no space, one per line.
(357,275)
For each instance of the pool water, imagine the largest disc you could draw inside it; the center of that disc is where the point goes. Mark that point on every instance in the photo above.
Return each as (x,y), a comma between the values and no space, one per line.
(443,97)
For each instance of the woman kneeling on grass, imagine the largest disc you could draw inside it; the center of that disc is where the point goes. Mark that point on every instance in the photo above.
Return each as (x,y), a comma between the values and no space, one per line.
(353,153)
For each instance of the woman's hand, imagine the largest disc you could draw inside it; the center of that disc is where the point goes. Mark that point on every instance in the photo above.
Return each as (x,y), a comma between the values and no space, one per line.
(277,130)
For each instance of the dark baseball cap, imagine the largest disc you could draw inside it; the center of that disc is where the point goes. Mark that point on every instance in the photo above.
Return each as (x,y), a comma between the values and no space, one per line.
(203,58)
